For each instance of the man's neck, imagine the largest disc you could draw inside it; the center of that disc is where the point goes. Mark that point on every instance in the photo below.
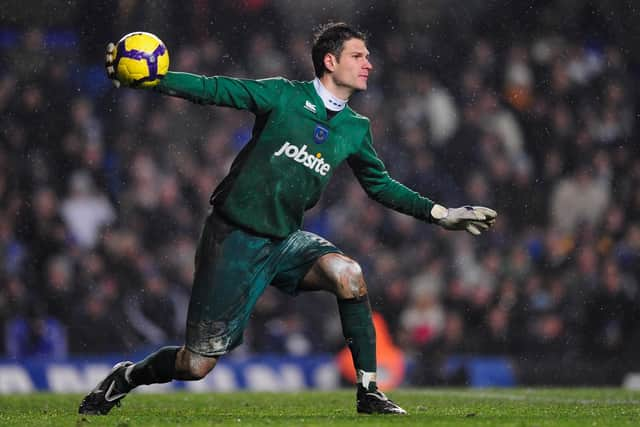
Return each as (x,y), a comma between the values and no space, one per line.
(329,98)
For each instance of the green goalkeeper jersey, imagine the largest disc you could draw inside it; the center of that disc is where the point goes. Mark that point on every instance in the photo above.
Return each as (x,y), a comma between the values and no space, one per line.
(293,152)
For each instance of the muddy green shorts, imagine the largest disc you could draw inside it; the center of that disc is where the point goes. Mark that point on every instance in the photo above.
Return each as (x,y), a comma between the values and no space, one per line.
(233,268)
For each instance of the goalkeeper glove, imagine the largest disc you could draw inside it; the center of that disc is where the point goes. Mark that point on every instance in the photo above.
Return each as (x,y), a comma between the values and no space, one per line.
(108,63)
(474,219)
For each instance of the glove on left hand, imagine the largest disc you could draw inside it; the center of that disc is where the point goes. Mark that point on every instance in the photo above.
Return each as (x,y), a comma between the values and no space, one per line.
(474,219)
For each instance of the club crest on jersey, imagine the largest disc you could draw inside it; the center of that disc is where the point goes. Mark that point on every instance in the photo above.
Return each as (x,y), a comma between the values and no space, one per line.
(320,134)
(300,155)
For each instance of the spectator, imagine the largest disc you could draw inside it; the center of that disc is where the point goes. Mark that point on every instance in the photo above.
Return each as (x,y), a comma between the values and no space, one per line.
(85,210)
(423,320)
(41,228)
(580,199)
(59,291)
(151,312)
(96,313)
(35,334)
(610,314)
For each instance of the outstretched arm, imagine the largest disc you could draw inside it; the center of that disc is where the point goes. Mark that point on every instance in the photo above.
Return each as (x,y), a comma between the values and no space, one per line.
(257,96)
(375,180)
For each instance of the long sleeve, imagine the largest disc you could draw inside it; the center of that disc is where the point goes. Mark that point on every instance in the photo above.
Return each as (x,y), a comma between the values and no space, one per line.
(374,178)
(257,96)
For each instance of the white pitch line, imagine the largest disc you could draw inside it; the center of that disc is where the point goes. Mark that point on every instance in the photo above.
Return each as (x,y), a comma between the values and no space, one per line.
(500,396)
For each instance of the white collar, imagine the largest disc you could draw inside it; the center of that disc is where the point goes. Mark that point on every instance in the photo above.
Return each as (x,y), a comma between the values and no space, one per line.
(330,101)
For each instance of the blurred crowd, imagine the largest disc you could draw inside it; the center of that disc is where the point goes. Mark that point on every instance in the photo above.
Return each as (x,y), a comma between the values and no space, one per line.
(103,192)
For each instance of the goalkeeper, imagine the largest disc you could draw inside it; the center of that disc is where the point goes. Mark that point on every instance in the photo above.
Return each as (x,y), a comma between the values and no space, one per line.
(252,237)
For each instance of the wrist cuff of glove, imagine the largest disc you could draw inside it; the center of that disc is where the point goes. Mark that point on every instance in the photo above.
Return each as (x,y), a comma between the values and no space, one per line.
(438,212)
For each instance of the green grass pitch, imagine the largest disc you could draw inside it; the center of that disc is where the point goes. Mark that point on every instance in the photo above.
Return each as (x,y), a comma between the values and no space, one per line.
(427,407)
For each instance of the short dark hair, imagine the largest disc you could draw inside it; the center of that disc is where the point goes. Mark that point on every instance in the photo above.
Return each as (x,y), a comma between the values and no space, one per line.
(330,38)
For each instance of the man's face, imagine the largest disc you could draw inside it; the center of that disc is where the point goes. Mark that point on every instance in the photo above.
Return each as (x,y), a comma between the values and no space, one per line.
(351,69)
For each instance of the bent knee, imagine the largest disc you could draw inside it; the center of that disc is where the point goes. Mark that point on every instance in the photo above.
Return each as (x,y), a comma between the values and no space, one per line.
(348,277)
(192,366)
(200,368)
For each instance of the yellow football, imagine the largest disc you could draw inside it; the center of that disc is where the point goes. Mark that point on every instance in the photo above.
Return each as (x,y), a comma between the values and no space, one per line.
(141,60)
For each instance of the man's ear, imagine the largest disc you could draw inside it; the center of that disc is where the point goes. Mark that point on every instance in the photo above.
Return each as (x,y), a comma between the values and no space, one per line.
(330,62)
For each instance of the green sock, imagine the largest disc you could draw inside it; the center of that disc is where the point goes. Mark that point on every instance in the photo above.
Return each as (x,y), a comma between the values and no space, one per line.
(358,331)
(157,368)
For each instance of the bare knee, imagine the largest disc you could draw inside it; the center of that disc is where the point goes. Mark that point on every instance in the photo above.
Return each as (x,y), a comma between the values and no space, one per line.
(346,275)
(192,366)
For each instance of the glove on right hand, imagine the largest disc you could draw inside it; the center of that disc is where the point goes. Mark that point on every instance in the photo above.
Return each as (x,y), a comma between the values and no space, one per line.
(108,64)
